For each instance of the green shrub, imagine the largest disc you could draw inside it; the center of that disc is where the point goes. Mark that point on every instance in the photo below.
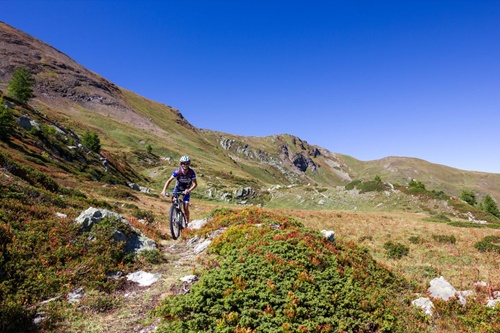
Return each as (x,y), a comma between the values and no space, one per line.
(372,186)
(144,215)
(489,244)
(445,239)
(368,186)
(353,184)
(91,141)
(416,240)
(488,205)
(281,277)
(396,250)
(469,196)
(416,184)
(462,224)
(20,87)
(27,173)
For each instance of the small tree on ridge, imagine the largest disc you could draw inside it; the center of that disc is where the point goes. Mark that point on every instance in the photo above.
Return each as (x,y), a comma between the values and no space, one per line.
(91,141)
(20,87)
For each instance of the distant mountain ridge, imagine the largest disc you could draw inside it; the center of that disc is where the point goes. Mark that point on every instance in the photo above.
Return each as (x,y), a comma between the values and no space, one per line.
(128,123)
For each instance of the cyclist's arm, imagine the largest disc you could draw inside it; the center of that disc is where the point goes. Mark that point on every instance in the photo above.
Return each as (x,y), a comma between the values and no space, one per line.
(194,183)
(166,185)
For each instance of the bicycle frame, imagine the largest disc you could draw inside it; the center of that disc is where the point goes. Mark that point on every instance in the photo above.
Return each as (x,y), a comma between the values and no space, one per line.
(177,218)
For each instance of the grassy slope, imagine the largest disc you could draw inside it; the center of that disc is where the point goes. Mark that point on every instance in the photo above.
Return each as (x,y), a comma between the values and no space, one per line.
(459,262)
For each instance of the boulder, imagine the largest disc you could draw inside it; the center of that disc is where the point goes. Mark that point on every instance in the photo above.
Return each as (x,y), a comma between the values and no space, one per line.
(135,241)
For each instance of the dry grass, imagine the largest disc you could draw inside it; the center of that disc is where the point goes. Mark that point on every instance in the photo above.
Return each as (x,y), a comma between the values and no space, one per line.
(460,263)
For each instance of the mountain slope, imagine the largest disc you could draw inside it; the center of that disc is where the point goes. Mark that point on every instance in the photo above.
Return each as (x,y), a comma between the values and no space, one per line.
(128,124)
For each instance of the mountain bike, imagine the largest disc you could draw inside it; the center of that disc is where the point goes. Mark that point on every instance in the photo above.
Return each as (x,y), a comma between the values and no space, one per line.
(177,218)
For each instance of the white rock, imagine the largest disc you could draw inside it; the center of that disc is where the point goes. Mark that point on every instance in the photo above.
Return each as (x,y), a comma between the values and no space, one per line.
(425,304)
(143,278)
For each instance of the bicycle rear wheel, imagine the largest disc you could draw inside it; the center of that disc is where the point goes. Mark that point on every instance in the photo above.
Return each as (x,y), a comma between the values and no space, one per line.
(175,223)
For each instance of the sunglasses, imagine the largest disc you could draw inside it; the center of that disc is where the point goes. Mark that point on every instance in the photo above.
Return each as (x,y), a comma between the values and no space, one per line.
(184,163)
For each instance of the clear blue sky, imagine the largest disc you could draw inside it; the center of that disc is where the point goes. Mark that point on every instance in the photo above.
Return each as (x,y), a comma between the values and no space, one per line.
(369,79)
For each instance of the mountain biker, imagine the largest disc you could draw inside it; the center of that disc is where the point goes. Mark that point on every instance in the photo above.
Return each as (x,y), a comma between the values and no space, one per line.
(186,182)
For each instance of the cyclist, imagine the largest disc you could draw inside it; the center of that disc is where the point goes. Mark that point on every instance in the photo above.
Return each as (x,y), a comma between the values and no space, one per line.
(186,182)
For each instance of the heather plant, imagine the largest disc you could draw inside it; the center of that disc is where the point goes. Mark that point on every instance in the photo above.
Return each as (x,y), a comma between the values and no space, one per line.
(416,240)
(270,274)
(43,255)
(375,185)
(475,317)
(396,250)
(489,244)
(444,239)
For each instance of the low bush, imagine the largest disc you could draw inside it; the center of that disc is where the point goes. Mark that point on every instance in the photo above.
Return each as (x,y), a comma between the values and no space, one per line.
(396,250)
(489,244)
(270,274)
(445,239)
(416,240)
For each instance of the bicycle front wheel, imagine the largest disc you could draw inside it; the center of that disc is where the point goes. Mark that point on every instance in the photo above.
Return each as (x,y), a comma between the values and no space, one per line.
(175,223)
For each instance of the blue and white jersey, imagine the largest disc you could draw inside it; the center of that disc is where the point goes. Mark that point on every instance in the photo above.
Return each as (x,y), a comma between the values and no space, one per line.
(184,181)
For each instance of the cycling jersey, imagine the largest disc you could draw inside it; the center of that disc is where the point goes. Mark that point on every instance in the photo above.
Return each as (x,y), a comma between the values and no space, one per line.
(184,181)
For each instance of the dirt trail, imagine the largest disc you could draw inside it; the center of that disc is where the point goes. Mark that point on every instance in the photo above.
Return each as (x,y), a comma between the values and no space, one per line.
(132,314)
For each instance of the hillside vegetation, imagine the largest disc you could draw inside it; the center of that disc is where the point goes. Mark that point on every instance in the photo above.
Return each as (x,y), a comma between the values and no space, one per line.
(399,222)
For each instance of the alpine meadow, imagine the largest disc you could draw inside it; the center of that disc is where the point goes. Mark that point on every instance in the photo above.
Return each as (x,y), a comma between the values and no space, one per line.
(285,236)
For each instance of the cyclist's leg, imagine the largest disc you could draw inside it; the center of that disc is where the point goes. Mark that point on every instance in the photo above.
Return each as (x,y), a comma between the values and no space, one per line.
(185,204)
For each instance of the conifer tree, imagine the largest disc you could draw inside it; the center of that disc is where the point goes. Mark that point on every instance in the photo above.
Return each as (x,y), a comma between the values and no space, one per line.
(490,206)
(91,141)
(20,87)
(469,197)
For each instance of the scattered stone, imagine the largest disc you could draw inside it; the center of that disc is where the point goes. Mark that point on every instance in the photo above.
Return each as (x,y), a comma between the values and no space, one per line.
(199,248)
(26,123)
(144,189)
(473,220)
(61,215)
(197,224)
(134,186)
(189,278)
(115,275)
(493,302)
(425,304)
(76,295)
(135,241)
(144,279)
(440,288)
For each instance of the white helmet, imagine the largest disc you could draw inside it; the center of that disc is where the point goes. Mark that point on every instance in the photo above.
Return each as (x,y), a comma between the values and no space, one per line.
(185,159)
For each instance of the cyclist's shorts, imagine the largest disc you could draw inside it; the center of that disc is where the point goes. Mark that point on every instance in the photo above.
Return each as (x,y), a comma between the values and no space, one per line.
(186,198)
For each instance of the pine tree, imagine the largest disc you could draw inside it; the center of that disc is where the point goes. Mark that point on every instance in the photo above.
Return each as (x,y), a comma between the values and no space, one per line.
(469,197)
(20,87)
(490,206)
(91,141)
